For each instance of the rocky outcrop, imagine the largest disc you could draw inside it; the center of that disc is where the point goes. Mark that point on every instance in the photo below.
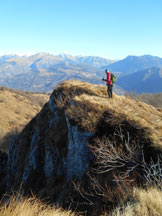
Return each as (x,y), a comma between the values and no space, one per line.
(50,146)
(55,148)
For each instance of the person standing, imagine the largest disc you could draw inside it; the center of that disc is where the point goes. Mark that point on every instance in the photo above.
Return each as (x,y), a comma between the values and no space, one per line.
(109,83)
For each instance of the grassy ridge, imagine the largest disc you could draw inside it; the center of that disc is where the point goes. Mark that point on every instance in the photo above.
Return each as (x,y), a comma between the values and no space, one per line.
(87,104)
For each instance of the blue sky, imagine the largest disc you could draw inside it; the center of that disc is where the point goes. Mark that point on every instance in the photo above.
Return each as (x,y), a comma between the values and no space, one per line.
(108,28)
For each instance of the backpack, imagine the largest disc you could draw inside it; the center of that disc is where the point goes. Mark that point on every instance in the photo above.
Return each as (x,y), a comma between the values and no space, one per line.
(113,78)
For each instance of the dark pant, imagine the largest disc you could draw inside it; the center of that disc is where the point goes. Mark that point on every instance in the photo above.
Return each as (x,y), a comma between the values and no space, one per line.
(109,90)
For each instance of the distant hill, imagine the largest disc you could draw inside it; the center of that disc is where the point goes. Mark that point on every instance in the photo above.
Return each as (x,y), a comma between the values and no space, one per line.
(148,81)
(133,64)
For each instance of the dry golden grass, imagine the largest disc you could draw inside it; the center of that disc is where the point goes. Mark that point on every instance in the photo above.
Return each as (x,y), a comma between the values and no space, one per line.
(30,207)
(88,103)
(17,108)
(150,201)
(147,203)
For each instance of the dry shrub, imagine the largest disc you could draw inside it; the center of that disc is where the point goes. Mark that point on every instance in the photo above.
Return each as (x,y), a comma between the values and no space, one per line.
(113,176)
(19,206)
(119,168)
(106,190)
(103,195)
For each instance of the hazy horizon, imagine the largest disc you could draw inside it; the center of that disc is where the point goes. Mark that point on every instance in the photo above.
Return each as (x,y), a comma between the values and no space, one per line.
(81,55)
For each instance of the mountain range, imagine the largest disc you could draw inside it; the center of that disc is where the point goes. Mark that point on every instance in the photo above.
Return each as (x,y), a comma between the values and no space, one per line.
(133,64)
(43,71)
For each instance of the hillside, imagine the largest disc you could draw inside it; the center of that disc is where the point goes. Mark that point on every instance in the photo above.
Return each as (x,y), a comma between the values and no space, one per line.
(17,108)
(82,144)
(145,81)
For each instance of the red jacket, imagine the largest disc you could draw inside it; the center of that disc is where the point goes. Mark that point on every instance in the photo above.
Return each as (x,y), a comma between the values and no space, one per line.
(109,78)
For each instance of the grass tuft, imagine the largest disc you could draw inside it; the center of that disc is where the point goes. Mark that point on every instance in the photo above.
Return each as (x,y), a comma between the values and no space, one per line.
(30,207)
